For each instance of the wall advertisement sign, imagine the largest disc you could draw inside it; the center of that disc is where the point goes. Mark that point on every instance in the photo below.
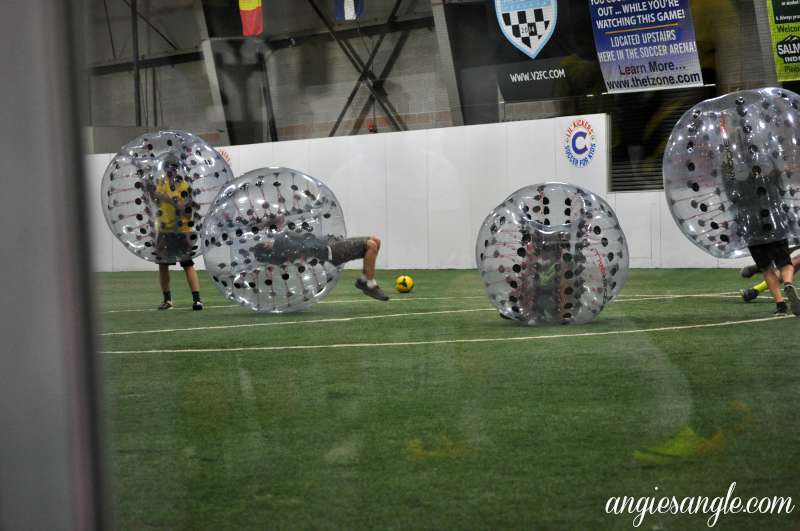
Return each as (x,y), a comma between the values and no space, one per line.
(784,24)
(645,44)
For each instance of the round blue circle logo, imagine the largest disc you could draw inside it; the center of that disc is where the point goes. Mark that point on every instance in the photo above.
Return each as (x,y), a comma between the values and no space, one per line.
(580,145)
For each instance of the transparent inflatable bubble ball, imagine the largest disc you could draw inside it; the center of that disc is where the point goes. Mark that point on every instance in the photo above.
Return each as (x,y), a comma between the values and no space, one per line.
(552,253)
(266,240)
(157,189)
(731,171)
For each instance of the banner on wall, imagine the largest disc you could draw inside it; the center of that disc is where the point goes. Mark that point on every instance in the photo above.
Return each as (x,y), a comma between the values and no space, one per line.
(542,49)
(784,23)
(645,44)
(527,24)
(252,17)
(346,10)
(531,79)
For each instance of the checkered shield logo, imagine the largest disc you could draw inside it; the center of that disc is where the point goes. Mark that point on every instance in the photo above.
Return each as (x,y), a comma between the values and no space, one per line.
(527,24)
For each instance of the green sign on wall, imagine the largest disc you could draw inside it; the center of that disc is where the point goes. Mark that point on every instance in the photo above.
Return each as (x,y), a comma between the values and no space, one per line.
(784,22)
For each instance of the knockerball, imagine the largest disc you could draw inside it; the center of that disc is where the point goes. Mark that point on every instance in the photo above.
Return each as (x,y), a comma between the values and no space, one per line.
(732,174)
(266,240)
(156,190)
(552,253)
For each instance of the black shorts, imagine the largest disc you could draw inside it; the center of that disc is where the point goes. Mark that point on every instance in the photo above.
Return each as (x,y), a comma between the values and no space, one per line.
(183,263)
(771,253)
(173,243)
(349,249)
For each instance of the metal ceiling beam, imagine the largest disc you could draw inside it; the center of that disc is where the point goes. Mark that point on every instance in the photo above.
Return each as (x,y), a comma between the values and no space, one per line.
(355,60)
(367,70)
(110,33)
(137,87)
(764,42)
(150,24)
(448,69)
(400,24)
(217,111)
(156,60)
(387,68)
(269,118)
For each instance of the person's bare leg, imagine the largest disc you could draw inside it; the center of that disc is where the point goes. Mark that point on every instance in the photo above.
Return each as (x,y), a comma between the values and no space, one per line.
(367,282)
(194,285)
(370,257)
(191,278)
(163,277)
(774,284)
(163,280)
(787,275)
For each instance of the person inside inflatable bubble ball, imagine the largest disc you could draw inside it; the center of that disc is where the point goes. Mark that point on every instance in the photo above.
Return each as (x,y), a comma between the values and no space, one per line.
(289,246)
(731,182)
(171,191)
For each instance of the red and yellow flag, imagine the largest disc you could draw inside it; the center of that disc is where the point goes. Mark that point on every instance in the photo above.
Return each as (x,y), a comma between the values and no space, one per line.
(252,17)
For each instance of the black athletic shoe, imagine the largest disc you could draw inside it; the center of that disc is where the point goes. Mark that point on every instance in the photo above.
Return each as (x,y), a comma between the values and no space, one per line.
(166,305)
(374,292)
(749,294)
(748,271)
(781,310)
(197,306)
(794,302)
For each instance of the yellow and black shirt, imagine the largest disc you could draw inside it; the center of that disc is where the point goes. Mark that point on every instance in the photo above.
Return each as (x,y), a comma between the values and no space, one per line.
(174,198)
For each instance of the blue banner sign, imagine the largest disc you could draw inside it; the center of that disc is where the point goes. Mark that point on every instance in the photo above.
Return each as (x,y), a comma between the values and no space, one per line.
(645,44)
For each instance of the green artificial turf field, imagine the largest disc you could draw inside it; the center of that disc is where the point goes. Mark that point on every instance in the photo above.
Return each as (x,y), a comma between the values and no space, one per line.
(431,412)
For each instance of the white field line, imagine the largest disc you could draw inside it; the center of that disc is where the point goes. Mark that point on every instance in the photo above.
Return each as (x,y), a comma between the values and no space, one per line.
(301,321)
(678,295)
(726,295)
(446,341)
(359,318)
(232,306)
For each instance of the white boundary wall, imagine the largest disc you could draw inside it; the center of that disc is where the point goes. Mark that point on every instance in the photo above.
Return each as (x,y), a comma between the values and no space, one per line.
(426,193)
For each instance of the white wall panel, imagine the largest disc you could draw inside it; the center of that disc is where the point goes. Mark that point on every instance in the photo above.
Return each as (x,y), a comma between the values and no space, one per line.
(330,160)
(365,209)
(101,237)
(639,218)
(292,154)
(487,179)
(449,244)
(406,238)
(530,153)
(249,157)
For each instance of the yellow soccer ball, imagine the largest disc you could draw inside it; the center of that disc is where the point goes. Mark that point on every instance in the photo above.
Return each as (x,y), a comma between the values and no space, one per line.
(404,283)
